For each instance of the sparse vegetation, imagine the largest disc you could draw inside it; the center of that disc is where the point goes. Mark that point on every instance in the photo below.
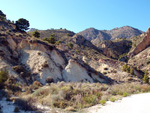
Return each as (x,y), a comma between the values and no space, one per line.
(145,78)
(128,69)
(3,77)
(51,39)
(102,102)
(58,42)
(36,34)
(125,94)
(70,45)
(82,95)
(112,99)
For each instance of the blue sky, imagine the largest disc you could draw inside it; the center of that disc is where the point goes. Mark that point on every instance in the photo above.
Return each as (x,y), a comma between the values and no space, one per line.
(77,15)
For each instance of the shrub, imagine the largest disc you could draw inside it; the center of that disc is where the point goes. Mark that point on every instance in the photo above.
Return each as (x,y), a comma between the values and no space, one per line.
(36,85)
(58,42)
(70,45)
(126,68)
(102,102)
(36,34)
(68,34)
(125,94)
(77,51)
(90,99)
(131,71)
(49,80)
(146,79)
(145,88)
(51,39)
(3,76)
(112,99)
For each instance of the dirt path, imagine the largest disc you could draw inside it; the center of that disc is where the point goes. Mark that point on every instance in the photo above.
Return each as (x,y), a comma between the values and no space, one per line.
(139,103)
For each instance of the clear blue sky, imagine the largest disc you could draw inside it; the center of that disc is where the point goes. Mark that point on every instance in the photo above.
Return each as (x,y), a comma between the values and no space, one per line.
(77,15)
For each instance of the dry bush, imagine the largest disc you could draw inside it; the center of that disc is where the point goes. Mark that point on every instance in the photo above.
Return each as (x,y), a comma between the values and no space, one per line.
(36,85)
(49,80)
(145,88)
(80,95)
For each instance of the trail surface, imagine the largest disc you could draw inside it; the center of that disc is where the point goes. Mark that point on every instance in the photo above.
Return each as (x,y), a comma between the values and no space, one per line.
(139,103)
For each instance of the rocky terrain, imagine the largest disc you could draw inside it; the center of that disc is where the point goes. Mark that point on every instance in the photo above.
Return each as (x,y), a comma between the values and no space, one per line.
(97,36)
(64,70)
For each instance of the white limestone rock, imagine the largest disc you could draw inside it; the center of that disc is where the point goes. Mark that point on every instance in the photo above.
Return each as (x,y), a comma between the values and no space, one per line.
(75,73)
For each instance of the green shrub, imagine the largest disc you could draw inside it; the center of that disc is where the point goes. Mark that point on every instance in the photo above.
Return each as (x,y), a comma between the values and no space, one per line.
(3,76)
(58,42)
(125,94)
(77,51)
(102,102)
(126,68)
(51,39)
(131,71)
(146,79)
(36,34)
(122,55)
(112,99)
(70,45)
(90,99)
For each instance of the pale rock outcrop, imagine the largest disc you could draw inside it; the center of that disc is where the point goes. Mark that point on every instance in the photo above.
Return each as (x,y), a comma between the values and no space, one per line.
(41,65)
(57,58)
(74,72)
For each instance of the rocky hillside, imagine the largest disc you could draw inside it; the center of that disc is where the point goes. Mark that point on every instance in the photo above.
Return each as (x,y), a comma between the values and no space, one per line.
(97,36)
(58,33)
(139,55)
(30,59)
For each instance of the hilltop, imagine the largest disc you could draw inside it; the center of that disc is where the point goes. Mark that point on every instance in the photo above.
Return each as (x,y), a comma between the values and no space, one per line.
(97,36)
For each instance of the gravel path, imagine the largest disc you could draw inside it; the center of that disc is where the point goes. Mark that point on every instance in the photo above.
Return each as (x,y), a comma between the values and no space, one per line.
(139,103)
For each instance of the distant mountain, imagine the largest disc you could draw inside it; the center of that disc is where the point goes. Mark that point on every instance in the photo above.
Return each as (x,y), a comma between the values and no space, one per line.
(96,36)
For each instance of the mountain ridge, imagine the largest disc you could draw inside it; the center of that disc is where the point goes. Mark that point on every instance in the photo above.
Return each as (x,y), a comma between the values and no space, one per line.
(96,35)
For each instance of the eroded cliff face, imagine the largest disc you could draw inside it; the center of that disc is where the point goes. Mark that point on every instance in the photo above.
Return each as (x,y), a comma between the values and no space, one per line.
(75,72)
(44,60)
(143,45)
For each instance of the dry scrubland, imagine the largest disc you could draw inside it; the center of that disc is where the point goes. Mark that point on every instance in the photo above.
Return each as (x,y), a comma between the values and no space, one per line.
(76,96)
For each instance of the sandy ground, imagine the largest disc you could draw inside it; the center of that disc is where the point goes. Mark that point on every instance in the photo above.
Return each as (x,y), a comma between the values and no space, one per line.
(139,103)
